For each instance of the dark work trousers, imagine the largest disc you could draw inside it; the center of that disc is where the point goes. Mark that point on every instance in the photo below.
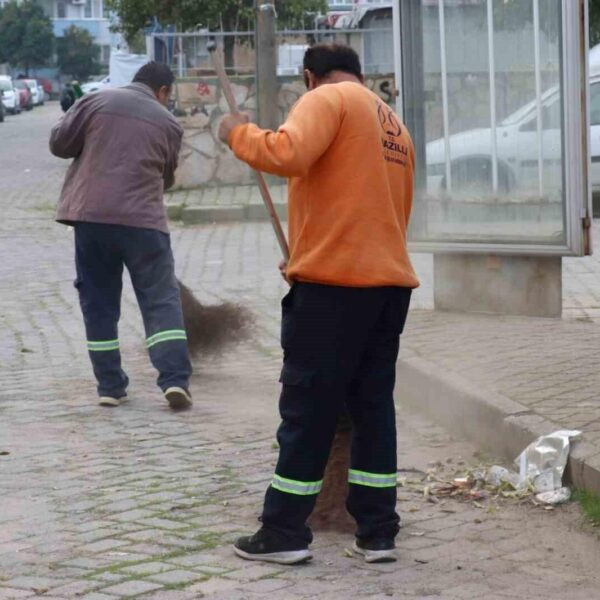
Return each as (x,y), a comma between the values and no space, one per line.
(340,349)
(100,252)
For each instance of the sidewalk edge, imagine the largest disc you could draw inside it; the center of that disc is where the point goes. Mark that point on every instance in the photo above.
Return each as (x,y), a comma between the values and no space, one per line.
(490,420)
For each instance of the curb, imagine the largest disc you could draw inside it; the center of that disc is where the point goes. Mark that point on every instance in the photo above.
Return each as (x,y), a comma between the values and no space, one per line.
(196,215)
(490,420)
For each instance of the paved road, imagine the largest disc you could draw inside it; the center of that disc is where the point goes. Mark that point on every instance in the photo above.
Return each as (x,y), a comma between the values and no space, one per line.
(104,504)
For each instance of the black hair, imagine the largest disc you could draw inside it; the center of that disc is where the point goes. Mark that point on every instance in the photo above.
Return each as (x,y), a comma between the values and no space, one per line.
(155,75)
(321,59)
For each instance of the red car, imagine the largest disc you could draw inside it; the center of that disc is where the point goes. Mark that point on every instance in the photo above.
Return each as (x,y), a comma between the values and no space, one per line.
(24,94)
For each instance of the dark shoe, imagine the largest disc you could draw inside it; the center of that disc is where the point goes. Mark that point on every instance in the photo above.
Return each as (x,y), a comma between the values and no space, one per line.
(269,547)
(376,551)
(178,398)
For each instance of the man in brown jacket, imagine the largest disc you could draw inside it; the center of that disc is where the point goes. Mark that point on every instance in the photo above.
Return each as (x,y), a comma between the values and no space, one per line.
(125,146)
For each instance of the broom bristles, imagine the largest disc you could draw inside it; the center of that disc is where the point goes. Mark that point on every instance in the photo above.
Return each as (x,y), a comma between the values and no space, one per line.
(211,328)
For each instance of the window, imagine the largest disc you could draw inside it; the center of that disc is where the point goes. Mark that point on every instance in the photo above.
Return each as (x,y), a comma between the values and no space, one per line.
(595,104)
(105,55)
(87,13)
(474,81)
(61,10)
(551,118)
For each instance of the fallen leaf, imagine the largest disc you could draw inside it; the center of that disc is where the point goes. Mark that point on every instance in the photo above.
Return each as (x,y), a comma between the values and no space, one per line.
(4,452)
(421,561)
(348,553)
(461,482)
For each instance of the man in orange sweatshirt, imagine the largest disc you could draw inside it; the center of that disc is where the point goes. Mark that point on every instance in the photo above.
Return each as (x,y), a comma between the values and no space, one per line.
(350,164)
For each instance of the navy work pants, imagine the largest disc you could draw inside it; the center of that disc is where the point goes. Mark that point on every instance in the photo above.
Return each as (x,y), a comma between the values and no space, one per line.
(101,251)
(340,350)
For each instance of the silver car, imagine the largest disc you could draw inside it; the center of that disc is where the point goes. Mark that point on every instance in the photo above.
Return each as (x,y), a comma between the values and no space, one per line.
(37,93)
(10,96)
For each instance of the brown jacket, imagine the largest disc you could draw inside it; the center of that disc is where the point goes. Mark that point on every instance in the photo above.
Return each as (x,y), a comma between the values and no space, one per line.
(125,145)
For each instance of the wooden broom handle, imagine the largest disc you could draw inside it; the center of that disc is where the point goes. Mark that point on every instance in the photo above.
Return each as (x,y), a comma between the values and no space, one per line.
(260,179)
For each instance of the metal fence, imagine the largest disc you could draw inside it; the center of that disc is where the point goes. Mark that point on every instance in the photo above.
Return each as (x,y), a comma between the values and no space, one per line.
(188,56)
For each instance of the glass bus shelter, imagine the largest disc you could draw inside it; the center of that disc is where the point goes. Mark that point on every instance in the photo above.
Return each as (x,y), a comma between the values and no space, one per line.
(495,95)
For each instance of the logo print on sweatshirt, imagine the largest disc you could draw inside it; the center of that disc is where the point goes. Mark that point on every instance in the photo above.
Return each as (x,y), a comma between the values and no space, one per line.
(388,120)
(394,150)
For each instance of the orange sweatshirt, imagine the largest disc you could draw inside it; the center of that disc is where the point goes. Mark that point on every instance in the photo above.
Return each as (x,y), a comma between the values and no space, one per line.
(350,164)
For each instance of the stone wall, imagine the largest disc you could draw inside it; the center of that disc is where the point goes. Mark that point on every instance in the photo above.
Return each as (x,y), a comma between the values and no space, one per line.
(204,161)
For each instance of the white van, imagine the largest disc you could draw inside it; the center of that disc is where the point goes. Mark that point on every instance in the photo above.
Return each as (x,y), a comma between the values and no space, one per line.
(517,146)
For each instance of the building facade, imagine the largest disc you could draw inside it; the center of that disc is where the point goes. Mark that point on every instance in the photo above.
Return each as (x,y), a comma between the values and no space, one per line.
(91,15)
(350,4)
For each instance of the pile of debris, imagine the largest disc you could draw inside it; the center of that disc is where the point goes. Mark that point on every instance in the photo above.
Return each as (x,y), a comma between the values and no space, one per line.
(541,467)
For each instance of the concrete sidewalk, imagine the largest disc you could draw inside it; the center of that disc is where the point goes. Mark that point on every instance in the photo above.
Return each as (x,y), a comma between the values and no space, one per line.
(139,502)
(504,380)
(519,376)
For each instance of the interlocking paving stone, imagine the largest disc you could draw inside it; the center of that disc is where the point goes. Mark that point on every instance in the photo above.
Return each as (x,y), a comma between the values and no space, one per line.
(131,588)
(176,577)
(86,490)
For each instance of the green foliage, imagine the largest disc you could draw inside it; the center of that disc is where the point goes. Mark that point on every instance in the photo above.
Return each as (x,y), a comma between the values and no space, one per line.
(77,55)
(228,15)
(590,503)
(26,35)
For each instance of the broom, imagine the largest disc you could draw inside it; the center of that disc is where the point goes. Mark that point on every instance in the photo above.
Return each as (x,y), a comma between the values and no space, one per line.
(330,511)
(210,328)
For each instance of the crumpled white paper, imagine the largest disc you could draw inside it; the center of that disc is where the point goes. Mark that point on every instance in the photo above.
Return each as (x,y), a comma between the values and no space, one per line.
(555,496)
(543,462)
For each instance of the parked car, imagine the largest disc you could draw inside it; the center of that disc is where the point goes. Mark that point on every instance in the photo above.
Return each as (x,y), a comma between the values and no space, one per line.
(10,96)
(36,93)
(42,93)
(25,94)
(517,146)
(94,86)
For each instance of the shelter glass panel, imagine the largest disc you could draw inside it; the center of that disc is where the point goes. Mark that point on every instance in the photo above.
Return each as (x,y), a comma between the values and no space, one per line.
(488,88)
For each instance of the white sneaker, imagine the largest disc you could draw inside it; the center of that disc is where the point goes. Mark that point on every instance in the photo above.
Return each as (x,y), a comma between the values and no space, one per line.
(110,401)
(178,398)
(376,551)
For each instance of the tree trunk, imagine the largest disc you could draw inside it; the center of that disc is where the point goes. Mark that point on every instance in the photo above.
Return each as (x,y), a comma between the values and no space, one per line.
(229,51)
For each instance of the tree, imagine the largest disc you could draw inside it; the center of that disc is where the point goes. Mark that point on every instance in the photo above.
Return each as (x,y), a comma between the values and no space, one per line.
(77,55)
(228,15)
(215,15)
(26,35)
